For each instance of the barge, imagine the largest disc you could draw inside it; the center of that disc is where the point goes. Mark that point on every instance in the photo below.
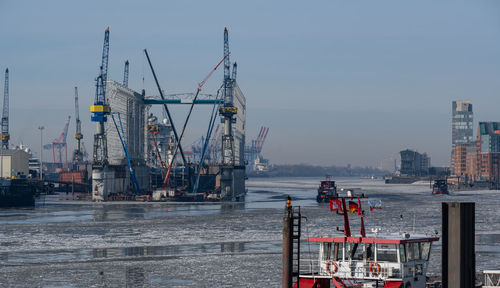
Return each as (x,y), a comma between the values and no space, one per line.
(16,193)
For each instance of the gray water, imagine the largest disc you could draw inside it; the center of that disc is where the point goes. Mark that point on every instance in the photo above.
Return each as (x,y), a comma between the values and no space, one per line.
(127,244)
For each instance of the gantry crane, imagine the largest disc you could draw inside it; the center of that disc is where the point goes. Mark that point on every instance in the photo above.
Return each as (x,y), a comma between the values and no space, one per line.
(77,154)
(5,116)
(58,144)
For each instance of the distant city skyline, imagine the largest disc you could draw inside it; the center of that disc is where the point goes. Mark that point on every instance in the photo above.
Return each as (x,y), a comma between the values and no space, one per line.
(336,82)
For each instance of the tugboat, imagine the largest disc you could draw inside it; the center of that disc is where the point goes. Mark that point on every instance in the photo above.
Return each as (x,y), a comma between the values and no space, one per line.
(440,186)
(327,190)
(359,261)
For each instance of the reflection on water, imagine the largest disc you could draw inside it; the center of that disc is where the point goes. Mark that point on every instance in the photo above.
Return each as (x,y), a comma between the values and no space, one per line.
(32,257)
(134,276)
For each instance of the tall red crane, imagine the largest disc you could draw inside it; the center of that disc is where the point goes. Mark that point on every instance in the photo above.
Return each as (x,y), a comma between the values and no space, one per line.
(59,144)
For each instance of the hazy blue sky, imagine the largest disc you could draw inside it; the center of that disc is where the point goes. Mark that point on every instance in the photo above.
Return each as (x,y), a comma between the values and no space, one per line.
(337,82)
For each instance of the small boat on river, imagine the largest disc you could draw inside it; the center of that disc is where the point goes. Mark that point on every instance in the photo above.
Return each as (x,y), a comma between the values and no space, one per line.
(440,186)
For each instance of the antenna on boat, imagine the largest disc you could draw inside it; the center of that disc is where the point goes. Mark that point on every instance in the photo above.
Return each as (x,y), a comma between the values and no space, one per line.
(342,209)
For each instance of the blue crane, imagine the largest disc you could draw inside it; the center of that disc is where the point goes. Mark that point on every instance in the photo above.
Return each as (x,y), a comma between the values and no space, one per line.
(135,183)
(125,75)
(5,116)
(101,109)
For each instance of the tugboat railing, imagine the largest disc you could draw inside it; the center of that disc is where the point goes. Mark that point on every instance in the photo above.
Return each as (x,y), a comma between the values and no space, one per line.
(353,270)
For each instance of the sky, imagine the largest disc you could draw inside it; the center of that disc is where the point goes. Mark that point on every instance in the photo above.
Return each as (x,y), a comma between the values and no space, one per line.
(337,82)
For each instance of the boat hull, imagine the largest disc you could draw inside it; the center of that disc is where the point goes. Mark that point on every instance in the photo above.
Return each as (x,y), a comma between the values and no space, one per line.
(16,193)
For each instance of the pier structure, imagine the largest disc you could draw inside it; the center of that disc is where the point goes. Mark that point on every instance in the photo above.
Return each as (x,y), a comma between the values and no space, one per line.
(458,258)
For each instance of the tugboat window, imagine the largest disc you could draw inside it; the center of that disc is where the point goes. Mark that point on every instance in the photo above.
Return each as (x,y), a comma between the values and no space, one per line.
(356,252)
(337,251)
(369,252)
(327,251)
(387,252)
(425,249)
(402,253)
(413,251)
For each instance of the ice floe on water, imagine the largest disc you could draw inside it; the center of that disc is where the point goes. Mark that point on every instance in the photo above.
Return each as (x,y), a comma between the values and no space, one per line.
(81,244)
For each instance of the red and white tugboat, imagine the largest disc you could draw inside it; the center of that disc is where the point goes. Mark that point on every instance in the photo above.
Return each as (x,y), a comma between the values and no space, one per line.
(365,261)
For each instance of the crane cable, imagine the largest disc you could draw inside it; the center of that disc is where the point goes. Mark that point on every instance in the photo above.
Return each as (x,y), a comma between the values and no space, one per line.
(211,125)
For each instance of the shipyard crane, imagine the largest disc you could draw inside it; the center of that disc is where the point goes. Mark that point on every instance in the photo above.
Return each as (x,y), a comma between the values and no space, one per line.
(5,116)
(58,144)
(227,111)
(77,154)
(101,109)
(125,74)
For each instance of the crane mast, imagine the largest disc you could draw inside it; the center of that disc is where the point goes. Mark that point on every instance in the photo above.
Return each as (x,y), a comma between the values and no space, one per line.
(5,115)
(227,110)
(125,75)
(101,109)
(77,154)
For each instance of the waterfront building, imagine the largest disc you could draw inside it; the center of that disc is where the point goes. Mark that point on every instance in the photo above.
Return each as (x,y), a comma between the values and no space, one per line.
(471,162)
(459,160)
(488,151)
(414,163)
(461,130)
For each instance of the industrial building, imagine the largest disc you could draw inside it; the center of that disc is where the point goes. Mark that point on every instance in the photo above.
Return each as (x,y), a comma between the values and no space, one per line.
(414,163)
(128,111)
(14,163)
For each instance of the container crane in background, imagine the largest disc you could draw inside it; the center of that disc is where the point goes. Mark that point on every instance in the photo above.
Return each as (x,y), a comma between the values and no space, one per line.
(253,151)
(77,154)
(59,144)
(125,74)
(5,116)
